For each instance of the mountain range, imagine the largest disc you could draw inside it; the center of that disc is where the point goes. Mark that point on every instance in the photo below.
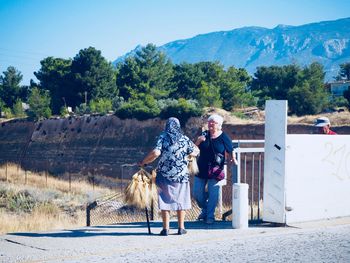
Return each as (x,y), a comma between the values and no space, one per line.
(327,42)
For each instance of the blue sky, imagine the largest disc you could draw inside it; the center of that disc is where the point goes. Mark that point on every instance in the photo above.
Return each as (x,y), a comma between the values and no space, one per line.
(31,30)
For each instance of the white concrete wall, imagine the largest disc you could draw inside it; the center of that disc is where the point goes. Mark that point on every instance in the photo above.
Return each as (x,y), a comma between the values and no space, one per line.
(274,164)
(317,177)
(306,177)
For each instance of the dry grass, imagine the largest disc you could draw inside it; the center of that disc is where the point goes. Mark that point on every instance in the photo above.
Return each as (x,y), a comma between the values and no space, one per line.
(16,175)
(39,202)
(336,118)
(39,220)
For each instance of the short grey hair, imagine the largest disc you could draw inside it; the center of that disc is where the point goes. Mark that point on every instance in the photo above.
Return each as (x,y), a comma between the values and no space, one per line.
(217,118)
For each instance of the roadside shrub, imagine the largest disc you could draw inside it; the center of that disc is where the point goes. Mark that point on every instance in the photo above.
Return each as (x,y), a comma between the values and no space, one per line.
(164,103)
(143,108)
(21,201)
(239,114)
(182,109)
(100,106)
(64,111)
(337,102)
(7,113)
(17,109)
(82,109)
(117,102)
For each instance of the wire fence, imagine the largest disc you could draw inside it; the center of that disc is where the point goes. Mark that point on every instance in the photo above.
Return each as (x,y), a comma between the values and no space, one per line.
(250,170)
(113,209)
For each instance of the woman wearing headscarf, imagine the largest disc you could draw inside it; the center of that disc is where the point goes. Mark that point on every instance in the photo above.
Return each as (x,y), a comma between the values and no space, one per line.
(172,178)
(206,190)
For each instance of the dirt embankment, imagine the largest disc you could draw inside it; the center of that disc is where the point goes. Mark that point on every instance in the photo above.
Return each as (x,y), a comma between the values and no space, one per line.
(101,144)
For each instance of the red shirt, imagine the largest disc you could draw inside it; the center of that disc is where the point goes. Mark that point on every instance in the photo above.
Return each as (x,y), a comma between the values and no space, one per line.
(330,132)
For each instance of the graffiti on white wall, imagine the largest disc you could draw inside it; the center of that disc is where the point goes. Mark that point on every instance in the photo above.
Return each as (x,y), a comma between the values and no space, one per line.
(338,158)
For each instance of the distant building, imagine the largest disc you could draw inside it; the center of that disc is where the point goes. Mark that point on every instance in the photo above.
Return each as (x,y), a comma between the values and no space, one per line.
(337,88)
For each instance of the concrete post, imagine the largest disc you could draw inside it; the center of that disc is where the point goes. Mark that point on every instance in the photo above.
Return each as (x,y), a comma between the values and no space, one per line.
(240,205)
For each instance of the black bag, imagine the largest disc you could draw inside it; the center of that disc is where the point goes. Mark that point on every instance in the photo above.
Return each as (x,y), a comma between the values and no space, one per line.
(216,167)
(219,159)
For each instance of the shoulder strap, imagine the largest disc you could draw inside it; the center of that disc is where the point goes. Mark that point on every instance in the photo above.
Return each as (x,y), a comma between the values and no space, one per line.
(211,144)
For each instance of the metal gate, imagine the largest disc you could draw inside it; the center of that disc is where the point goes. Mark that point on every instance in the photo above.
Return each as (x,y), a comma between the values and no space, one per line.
(250,156)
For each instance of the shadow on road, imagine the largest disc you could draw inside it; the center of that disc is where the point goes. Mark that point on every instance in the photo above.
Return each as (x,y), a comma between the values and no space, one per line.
(112,230)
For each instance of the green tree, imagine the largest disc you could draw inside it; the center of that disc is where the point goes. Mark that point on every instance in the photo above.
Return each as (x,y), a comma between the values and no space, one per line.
(186,80)
(344,72)
(128,78)
(233,90)
(209,95)
(92,76)
(18,110)
(274,82)
(309,96)
(149,71)
(54,75)
(212,71)
(39,104)
(10,89)
(301,100)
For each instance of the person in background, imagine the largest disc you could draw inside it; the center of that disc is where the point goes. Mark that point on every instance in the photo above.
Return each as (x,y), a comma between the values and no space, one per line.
(214,139)
(172,178)
(324,126)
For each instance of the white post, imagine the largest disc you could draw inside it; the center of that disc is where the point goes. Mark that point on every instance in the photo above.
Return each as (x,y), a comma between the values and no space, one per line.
(240,206)
(274,161)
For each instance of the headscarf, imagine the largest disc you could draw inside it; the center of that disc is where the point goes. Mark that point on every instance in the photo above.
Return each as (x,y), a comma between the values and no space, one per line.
(173,129)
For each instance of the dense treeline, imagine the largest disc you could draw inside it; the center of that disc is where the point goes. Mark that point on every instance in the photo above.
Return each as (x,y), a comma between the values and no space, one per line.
(148,84)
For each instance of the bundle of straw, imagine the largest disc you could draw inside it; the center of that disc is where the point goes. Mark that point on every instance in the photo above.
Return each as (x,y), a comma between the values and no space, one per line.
(192,165)
(141,190)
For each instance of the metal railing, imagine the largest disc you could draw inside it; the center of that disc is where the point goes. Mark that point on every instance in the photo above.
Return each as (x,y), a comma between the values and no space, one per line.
(250,171)
(249,153)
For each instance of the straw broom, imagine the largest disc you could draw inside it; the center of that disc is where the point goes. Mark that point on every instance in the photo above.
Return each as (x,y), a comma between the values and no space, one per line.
(154,192)
(141,190)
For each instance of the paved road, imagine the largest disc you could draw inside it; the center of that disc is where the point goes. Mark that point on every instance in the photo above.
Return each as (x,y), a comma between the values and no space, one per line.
(321,241)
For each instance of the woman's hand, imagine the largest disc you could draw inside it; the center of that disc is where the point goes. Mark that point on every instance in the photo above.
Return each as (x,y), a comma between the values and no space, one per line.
(200,139)
(233,161)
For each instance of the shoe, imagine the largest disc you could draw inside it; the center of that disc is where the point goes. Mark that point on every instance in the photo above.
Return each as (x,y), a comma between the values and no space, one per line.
(210,221)
(201,217)
(164,232)
(182,231)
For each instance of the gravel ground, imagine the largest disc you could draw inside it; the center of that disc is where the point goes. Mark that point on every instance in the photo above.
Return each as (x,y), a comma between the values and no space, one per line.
(321,241)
